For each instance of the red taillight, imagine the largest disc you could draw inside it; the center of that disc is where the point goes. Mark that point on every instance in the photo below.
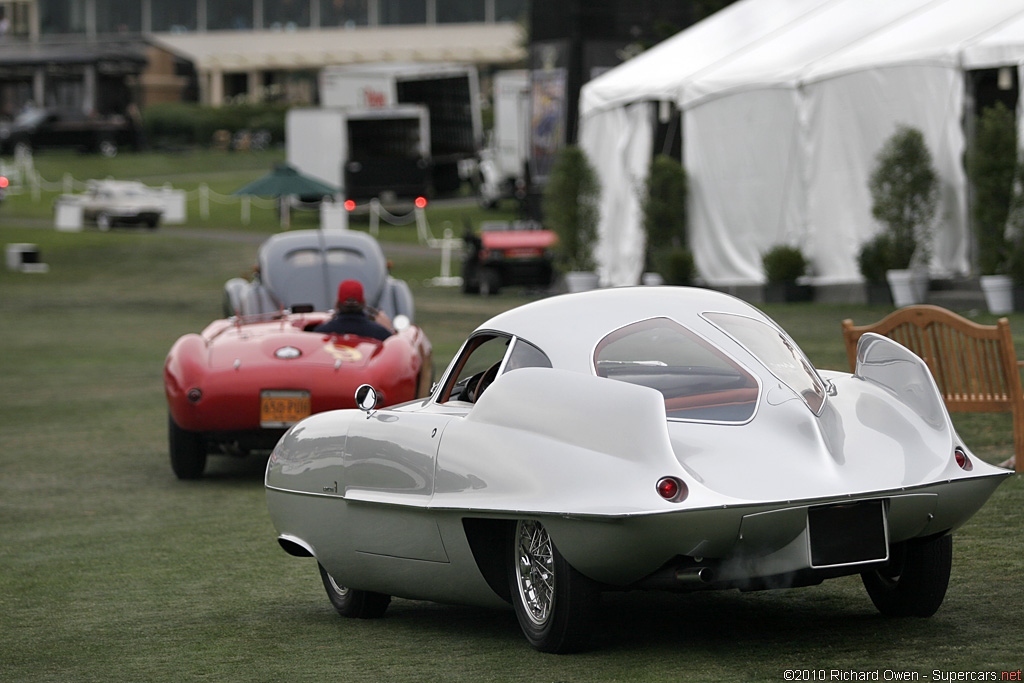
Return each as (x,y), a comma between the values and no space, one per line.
(350,205)
(421,202)
(962,460)
(672,489)
(3,181)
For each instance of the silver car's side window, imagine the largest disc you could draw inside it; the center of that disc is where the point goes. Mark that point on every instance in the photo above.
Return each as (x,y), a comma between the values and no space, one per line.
(476,367)
(778,352)
(525,355)
(698,381)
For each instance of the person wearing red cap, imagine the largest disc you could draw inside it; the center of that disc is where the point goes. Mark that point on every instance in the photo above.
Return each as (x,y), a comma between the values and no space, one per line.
(351,315)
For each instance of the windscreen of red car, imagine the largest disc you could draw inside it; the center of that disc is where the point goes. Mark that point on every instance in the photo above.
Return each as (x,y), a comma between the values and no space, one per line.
(778,353)
(698,381)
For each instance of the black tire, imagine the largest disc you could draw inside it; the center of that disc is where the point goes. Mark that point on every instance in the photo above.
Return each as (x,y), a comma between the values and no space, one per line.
(188,451)
(913,582)
(554,603)
(353,603)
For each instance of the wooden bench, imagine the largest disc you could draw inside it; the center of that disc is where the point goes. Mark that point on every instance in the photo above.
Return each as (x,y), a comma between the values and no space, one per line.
(975,366)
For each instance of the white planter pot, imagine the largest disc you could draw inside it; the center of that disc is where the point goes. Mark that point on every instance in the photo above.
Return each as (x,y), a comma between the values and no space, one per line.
(581,282)
(908,287)
(652,280)
(998,290)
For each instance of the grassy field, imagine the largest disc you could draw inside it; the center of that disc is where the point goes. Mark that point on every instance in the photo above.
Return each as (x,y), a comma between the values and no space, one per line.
(111,569)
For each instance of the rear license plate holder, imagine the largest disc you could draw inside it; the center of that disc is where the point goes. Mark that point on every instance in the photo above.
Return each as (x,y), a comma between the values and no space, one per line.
(848,533)
(282,408)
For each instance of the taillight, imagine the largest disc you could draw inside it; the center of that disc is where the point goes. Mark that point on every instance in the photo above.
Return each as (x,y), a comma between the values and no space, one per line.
(962,460)
(672,489)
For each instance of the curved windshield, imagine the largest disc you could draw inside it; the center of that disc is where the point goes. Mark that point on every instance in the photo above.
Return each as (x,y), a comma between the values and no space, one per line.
(777,352)
(698,381)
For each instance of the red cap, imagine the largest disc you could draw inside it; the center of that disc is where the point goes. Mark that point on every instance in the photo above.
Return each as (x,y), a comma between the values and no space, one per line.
(350,292)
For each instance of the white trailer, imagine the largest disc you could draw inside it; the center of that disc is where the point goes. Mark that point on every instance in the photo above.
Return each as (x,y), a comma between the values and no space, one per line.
(502,160)
(365,152)
(449,91)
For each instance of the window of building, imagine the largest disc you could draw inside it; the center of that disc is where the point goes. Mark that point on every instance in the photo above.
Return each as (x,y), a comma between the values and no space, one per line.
(397,12)
(229,15)
(14,15)
(117,16)
(61,16)
(509,10)
(344,13)
(460,11)
(174,16)
(285,14)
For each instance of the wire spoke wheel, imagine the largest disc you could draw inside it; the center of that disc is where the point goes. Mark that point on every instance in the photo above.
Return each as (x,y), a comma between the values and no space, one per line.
(535,571)
(554,603)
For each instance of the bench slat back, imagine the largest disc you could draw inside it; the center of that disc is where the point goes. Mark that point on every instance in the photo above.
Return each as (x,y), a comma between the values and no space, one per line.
(974,366)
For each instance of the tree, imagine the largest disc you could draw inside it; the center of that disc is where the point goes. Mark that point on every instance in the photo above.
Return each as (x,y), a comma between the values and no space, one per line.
(663,206)
(991,166)
(904,192)
(570,207)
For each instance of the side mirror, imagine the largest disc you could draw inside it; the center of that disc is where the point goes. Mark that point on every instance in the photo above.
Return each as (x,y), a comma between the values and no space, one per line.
(366,398)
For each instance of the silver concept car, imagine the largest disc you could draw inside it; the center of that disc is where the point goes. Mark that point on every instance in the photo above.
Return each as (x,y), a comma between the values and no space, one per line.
(664,438)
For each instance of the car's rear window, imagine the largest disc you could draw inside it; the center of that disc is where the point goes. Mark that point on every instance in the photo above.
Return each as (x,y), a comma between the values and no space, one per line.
(305,258)
(778,353)
(698,381)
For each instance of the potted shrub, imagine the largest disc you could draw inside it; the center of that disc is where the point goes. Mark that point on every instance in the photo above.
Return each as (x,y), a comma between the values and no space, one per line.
(904,193)
(874,261)
(783,267)
(663,206)
(570,209)
(1014,266)
(991,167)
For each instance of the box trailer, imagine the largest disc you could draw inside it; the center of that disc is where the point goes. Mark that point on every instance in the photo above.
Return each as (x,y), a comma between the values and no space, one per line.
(450,92)
(503,159)
(379,152)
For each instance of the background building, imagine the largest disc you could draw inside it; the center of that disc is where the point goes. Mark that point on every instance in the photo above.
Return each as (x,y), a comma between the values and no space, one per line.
(101,55)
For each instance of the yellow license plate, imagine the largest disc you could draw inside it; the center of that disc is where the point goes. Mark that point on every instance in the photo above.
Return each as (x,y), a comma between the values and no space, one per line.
(283,408)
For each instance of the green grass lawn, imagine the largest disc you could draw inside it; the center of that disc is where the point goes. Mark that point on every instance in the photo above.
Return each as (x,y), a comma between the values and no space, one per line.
(111,569)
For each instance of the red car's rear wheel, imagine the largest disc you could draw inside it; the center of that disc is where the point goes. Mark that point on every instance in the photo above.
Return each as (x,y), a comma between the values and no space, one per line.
(188,451)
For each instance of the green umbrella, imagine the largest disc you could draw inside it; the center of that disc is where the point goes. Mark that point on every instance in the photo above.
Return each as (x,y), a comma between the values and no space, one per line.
(285,181)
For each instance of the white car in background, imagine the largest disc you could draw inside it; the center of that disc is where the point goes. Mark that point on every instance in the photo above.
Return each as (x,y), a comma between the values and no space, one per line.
(108,203)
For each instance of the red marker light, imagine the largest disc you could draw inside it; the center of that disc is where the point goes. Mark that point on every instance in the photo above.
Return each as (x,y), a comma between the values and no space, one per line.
(350,205)
(421,202)
(672,489)
(962,460)
(3,181)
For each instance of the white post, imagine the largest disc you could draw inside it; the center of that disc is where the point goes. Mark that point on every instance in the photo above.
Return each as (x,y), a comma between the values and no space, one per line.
(68,187)
(245,209)
(374,216)
(446,254)
(204,201)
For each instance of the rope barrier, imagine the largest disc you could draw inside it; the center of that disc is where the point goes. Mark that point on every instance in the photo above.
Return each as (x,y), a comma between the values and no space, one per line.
(23,173)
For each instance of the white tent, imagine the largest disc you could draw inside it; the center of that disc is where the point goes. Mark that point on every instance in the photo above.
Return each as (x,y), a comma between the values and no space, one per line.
(785,106)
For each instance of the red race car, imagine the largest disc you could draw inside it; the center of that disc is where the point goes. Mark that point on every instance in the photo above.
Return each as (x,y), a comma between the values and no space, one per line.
(236,387)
